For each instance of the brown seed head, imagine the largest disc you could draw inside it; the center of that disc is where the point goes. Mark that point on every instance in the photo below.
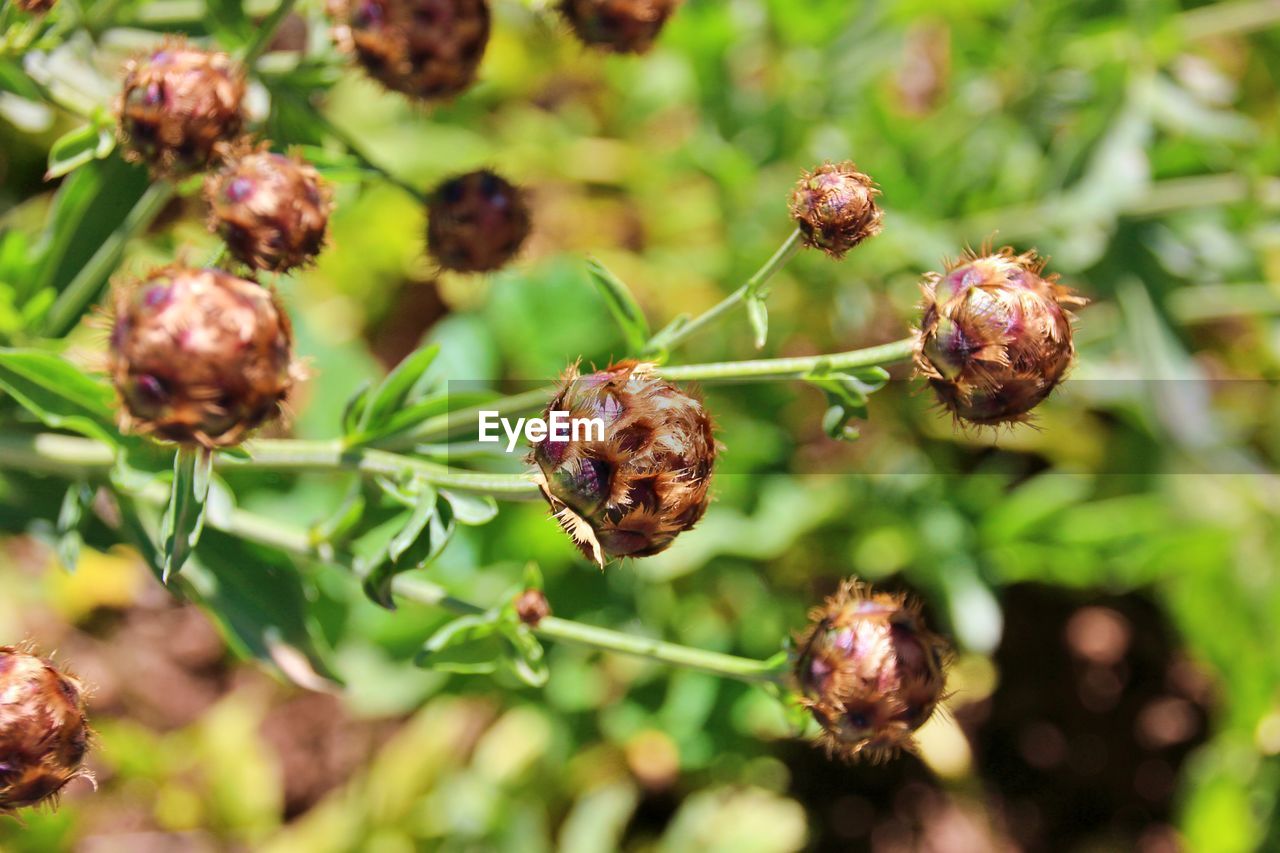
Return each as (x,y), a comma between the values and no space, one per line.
(35,7)
(272,210)
(180,107)
(532,607)
(870,671)
(476,222)
(995,336)
(427,49)
(43,732)
(199,356)
(633,493)
(835,208)
(623,26)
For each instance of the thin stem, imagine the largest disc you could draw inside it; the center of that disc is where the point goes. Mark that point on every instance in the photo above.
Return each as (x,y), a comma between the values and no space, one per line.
(266,31)
(790,368)
(61,453)
(84,288)
(674,335)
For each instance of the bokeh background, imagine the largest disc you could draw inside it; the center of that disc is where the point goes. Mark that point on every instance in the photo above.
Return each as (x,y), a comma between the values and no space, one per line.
(1110,576)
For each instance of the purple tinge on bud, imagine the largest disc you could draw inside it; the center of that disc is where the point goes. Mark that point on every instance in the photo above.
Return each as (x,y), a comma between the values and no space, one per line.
(205,364)
(43,731)
(623,26)
(476,222)
(631,494)
(835,208)
(995,336)
(179,106)
(272,210)
(426,49)
(869,671)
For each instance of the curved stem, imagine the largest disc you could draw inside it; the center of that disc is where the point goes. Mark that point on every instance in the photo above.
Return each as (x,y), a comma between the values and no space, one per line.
(677,333)
(266,31)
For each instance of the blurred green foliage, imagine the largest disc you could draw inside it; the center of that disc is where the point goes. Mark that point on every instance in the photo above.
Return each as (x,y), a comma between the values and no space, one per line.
(1135,143)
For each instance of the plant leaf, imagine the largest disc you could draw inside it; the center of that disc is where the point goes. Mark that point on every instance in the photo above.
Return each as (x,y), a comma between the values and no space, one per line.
(392,393)
(70,517)
(471,510)
(184,519)
(626,311)
(78,147)
(58,393)
(758,314)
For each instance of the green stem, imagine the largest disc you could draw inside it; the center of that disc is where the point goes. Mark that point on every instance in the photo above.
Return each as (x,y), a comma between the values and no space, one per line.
(443,427)
(267,30)
(276,534)
(668,339)
(84,288)
(55,453)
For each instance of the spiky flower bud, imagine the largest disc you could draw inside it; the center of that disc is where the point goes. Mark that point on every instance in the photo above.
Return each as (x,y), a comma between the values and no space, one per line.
(199,356)
(427,49)
(532,607)
(631,494)
(36,7)
(180,106)
(272,210)
(43,731)
(870,671)
(835,208)
(995,336)
(476,222)
(624,26)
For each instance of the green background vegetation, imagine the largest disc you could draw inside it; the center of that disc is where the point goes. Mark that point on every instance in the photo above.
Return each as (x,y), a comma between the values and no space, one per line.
(1109,577)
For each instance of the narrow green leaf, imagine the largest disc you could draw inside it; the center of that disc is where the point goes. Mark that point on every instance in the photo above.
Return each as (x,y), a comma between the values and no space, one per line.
(471,510)
(70,517)
(184,519)
(78,147)
(469,645)
(758,314)
(626,311)
(391,395)
(57,392)
(416,544)
(418,520)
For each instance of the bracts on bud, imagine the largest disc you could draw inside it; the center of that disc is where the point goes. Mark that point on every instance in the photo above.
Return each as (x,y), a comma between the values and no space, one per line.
(427,49)
(272,210)
(631,494)
(870,671)
(835,208)
(995,336)
(199,356)
(180,106)
(476,222)
(623,26)
(43,731)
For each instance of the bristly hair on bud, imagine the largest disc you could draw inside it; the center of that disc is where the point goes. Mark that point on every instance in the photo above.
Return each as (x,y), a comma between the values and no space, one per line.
(835,208)
(631,494)
(43,731)
(272,210)
(426,49)
(869,671)
(476,222)
(622,26)
(995,335)
(199,356)
(180,107)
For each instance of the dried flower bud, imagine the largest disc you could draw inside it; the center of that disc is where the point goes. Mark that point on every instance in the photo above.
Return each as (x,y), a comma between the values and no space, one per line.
(835,208)
(532,607)
(476,222)
(43,732)
(624,26)
(870,671)
(428,49)
(35,7)
(633,493)
(200,356)
(180,105)
(272,210)
(995,337)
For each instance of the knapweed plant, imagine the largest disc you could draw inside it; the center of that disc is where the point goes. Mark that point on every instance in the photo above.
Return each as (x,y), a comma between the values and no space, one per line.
(150,393)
